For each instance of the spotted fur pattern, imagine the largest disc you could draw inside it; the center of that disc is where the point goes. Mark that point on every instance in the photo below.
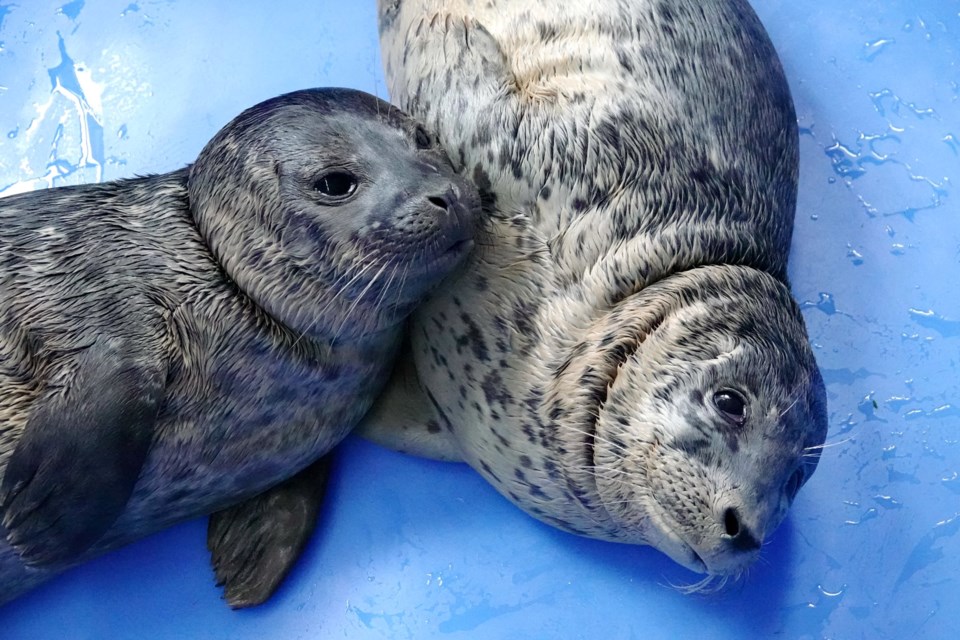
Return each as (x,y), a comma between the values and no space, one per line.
(637,161)
(275,313)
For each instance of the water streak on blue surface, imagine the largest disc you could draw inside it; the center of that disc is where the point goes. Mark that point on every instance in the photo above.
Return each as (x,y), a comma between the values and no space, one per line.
(64,80)
(846,376)
(885,99)
(72,9)
(939,412)
(927,551)
(929,319)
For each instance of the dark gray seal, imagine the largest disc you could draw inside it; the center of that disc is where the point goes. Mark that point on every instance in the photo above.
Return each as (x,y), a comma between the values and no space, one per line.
(175,344)
(622,358)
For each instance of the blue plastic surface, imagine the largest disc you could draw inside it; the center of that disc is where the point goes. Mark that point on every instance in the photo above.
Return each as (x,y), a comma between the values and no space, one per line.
(409,548)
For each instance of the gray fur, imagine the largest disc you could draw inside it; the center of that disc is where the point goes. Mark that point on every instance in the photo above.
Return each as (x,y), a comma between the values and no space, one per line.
(638,165)
(271,312)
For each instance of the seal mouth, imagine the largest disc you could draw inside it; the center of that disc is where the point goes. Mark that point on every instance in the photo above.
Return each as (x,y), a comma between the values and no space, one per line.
(459,247)
(672,543)
(454,253)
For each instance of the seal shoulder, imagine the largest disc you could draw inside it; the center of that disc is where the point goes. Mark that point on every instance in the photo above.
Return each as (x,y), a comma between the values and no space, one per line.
(85,441)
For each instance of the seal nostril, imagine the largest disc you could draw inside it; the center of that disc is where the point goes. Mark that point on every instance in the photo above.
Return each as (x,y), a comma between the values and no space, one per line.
(731,523)
(741,537)
(438,202)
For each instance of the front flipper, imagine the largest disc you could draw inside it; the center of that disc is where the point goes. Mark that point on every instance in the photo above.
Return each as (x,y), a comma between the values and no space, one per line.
(81,453)
(254,544)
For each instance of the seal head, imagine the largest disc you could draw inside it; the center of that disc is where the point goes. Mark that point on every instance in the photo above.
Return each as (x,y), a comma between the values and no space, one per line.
(697,419)
(311,210)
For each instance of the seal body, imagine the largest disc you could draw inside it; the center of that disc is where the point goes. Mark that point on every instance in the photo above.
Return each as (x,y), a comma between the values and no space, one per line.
(177,343)
(622,357)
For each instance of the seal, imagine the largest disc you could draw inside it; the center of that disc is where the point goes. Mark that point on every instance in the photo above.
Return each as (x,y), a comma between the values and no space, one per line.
(176,344)
(622,358)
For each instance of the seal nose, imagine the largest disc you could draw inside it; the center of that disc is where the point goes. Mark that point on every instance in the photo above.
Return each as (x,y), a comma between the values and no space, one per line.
(440,202)
(739,535)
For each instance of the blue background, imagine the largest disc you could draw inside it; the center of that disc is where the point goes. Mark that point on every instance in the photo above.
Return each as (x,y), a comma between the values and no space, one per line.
(409,548)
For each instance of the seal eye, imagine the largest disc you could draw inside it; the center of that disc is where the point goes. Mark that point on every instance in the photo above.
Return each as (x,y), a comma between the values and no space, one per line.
(336,184)
(422,138)
(732,405)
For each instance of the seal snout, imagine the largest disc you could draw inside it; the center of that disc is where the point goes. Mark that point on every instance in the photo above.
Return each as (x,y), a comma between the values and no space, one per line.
(455,207)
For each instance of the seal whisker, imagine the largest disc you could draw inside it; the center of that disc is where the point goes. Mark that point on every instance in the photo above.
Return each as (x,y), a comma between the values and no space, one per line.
(356,301)
(597,437)
(827,445)
(335,298)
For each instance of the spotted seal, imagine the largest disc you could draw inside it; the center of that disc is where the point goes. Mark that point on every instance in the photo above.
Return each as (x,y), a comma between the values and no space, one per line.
(175,344)
(622,359)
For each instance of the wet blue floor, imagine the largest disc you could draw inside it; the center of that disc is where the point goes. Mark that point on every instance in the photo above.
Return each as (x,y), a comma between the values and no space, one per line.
(99,90)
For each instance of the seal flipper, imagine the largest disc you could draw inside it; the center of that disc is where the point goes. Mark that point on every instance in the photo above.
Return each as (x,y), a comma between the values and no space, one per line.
(81,452)
(405,418)
(254,544)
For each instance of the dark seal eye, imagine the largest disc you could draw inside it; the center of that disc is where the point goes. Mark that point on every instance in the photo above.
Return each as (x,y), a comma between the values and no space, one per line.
(732,405)
(336,184)
(422,138)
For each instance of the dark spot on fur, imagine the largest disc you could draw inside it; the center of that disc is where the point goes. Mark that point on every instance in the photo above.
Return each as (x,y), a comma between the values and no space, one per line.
(489,471)
(474,338)
(493,389)
(546,31)
(624,61)
(537,493)
(692,446)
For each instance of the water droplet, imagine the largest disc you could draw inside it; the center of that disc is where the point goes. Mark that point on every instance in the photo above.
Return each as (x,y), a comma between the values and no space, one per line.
(951,141)
(873,49)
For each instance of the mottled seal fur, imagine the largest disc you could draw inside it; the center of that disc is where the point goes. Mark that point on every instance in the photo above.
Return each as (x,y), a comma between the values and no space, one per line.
(177,343)
(622,358)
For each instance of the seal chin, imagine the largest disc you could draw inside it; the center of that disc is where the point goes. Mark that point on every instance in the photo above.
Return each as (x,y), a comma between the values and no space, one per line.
(455,253)
(663,536)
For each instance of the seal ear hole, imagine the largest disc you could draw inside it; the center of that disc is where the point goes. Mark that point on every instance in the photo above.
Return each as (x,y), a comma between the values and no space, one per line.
(732,405)
(422,138)
(337,184)
(794,482)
